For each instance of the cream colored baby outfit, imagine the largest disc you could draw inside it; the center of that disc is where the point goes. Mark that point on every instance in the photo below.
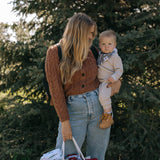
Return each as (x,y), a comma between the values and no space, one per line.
(108,65)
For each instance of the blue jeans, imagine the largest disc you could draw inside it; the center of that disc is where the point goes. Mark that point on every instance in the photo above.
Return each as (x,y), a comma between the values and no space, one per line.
(85,112)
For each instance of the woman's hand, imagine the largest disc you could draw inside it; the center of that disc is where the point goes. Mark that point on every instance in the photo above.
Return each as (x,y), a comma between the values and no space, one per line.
(115,87)
(66,130)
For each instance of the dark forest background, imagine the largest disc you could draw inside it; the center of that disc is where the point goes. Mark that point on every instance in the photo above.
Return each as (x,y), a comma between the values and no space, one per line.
(28,125)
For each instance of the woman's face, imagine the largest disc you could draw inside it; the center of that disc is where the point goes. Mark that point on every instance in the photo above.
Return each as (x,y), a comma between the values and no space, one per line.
(91,34)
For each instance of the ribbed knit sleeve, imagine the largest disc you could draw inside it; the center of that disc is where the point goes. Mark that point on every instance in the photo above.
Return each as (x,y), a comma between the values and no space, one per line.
(55,84)
(118,67)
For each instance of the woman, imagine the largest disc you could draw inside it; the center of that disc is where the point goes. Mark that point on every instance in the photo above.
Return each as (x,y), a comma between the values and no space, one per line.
(74,85)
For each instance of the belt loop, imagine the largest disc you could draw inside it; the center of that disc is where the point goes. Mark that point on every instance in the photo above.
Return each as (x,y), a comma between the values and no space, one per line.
(69,98)
(97,91)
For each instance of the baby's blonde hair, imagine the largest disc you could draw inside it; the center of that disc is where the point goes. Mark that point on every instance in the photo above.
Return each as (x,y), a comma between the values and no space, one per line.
(108,33)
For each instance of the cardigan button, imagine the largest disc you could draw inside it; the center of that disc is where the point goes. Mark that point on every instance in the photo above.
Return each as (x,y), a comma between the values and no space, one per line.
(82,74)
(82,85)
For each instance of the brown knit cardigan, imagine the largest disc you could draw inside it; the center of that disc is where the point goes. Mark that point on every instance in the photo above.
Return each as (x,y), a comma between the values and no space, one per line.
(84,80)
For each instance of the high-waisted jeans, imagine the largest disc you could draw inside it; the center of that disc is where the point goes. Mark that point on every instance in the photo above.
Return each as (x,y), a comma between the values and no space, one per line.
(85,112)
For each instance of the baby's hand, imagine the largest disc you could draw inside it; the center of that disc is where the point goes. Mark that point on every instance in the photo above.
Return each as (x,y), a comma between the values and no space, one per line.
(110,80)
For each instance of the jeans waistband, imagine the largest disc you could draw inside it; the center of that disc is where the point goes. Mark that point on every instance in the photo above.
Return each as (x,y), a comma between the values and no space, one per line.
(86,94)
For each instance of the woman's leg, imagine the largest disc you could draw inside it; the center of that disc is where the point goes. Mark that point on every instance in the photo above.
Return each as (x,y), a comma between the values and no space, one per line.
(97,139)
(78,112)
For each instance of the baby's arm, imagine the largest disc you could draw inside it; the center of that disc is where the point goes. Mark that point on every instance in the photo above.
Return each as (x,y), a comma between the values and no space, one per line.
(118,68)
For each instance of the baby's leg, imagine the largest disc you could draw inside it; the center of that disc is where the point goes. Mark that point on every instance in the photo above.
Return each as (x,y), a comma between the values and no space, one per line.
(105,100)
(105,97)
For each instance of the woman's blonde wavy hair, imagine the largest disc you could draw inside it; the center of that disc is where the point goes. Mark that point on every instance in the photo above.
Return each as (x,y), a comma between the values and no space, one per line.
(75,45)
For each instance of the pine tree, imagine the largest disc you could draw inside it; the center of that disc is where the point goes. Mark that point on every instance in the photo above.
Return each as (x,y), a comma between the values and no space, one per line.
(135,134)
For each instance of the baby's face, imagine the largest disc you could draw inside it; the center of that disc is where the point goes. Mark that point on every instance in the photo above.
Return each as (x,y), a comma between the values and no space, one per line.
(107,44)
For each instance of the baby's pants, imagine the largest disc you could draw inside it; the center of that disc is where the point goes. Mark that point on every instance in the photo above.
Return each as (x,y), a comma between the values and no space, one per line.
(105,95)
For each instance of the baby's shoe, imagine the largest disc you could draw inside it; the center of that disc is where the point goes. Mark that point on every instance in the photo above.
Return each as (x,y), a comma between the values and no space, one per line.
(106,121)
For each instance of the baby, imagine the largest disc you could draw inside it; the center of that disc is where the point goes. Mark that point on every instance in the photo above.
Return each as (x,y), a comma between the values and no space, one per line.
(110,69)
